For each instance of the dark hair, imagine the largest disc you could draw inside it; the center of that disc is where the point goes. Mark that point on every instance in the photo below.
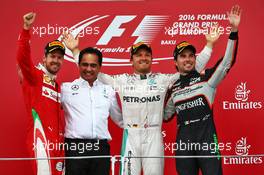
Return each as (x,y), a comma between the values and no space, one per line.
(91,50)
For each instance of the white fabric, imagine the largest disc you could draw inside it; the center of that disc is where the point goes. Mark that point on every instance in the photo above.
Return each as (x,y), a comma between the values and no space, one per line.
(87,109)
(142,106)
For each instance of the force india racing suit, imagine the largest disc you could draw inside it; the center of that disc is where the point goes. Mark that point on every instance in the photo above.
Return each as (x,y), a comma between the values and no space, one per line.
(142,101)
(41,95)
(191,98)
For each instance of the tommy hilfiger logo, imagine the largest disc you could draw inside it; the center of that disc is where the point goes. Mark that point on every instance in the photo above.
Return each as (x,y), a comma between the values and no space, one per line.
(195,80)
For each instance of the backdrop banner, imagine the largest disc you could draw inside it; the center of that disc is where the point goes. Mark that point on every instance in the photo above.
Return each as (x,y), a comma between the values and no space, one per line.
(113,26)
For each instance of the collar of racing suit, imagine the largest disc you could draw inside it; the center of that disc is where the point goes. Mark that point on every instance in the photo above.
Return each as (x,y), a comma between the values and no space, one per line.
(142,76)
(185,79)
(41,67)
(189,75)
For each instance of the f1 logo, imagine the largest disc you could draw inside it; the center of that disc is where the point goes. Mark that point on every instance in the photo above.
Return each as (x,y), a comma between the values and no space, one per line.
(114,29)
(145,31)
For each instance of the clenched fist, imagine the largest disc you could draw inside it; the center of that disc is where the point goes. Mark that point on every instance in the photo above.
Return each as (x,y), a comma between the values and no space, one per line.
(29,18)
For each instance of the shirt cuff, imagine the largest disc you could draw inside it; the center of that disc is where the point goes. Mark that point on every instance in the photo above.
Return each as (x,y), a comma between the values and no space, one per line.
(233,36)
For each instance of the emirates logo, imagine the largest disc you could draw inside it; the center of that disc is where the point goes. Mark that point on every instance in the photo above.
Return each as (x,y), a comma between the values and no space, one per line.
(241,92)
(242,99)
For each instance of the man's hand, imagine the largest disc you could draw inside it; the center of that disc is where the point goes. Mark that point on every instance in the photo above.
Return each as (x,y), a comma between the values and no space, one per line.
(71,42)
(234,17)
(213,36)
(29,18)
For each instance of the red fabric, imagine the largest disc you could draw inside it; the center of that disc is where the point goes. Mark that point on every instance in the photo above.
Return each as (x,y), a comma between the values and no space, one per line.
(48,110)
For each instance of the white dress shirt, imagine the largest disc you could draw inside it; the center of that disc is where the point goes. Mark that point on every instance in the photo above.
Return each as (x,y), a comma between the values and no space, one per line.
(87,109)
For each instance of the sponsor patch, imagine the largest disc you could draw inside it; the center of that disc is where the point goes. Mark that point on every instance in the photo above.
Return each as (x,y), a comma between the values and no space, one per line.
(47,80)
(51,94)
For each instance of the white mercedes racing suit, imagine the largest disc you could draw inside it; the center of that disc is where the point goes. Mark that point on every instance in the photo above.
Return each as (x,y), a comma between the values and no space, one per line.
(142,100)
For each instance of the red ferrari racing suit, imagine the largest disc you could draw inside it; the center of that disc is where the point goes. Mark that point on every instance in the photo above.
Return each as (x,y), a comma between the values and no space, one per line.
(41,94)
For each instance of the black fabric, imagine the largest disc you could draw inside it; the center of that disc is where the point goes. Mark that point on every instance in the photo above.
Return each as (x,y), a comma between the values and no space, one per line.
(203,133)
(193,97)
(200,111)
(95,166)
(233,36)
(143,77)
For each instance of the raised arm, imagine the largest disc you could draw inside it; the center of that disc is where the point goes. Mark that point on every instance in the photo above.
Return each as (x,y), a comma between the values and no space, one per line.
(23,53)
(106,79)
(227,62)
(204,56)
(72,44)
